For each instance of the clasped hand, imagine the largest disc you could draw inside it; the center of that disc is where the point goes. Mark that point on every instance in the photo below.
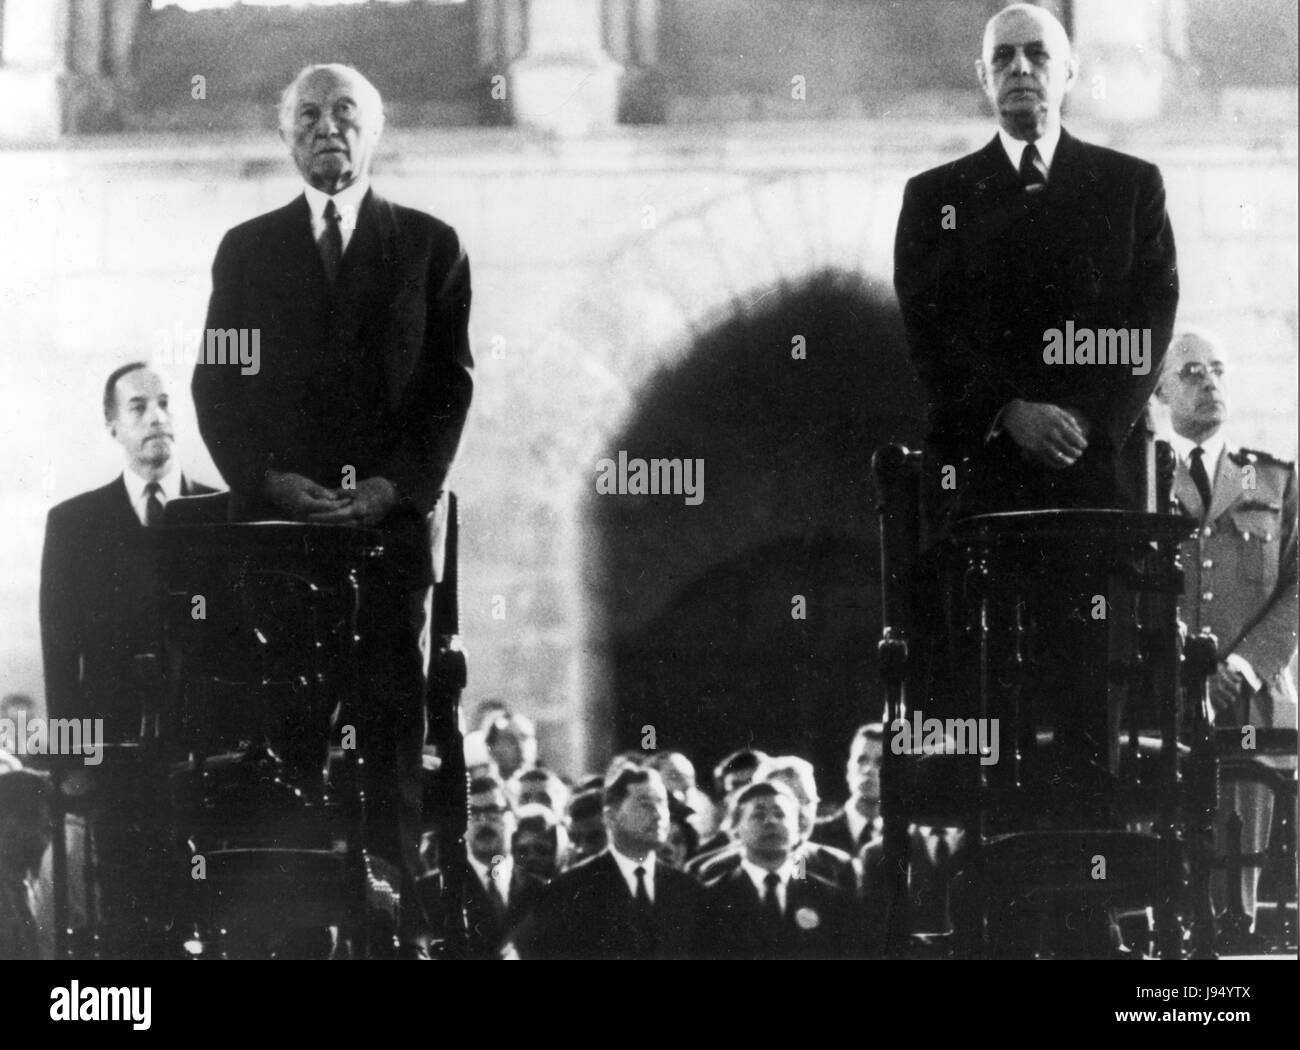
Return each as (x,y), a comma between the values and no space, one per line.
(1053,436)
(304,500)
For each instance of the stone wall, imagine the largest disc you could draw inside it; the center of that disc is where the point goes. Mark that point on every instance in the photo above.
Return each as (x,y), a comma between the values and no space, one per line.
(597,265)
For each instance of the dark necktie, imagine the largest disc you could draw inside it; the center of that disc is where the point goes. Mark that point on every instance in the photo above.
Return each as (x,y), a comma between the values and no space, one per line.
(772,902)
(642,917)
(1202,479)
(1031,178)
(942,851)
(153,508)
(495,899)
(331,242)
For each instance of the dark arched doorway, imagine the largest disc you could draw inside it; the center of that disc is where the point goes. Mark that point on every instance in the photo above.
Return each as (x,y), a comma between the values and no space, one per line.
(695,603)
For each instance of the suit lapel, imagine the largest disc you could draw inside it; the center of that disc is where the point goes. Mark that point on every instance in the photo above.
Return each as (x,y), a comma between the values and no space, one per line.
(1185,492)
(1072,175)
(1227,485)
(123,514)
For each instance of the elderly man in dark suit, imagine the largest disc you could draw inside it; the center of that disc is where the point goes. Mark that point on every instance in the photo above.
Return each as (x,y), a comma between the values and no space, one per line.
(1007,254)
(623,903)
(355,410)
(98,603)
(767,907)
(1241,569)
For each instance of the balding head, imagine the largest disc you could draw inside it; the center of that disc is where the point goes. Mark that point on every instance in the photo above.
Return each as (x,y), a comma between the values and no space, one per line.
(1026,68)
(331,117)
(1192,384)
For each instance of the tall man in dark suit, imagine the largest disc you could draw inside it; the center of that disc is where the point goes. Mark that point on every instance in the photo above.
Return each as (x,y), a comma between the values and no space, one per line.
(858,823)
(623,903)
(766,908)
(98,605)
(355,411)
(1037,233)
(1241,569)
(499,894)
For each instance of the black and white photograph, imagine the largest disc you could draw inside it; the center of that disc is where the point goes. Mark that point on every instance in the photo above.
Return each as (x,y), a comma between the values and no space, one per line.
(710,480)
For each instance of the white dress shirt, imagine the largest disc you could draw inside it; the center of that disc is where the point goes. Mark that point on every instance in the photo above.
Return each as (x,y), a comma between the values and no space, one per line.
(1046,148)
(758,876)
(627,866)
(348,203)
(1213,446)
(505,871)
(169,489)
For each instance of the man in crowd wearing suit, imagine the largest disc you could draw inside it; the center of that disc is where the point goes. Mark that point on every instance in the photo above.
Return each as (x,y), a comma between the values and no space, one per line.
(768,907)
(799,777)
(858,823)
(1035,232)
(24,834)
(98,605)
(355,411)
(622,903)
(500,893)
(1241,568)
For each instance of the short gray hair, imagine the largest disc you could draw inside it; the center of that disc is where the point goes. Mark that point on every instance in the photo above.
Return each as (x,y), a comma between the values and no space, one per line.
(289,99)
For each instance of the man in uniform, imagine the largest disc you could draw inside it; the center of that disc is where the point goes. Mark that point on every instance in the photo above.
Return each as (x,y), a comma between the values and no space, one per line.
(1241,567)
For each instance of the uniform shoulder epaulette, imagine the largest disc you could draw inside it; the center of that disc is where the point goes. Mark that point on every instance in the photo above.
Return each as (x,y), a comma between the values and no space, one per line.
(1253,455)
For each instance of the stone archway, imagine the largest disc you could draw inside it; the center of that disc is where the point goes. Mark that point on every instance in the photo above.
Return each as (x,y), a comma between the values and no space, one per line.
(754,611)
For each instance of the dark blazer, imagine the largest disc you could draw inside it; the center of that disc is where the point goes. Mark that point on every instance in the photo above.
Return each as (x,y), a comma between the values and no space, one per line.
(820,921)
(1093,247)
(486,932)
(826,862)
(372,373)
(834,831)
(98,607)
(586,913)
(928,886)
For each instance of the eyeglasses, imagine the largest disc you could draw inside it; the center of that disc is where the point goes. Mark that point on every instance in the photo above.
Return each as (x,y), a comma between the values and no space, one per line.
(1195,372)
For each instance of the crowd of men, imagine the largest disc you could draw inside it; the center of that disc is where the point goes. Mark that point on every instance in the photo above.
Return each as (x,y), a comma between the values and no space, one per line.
(638,861)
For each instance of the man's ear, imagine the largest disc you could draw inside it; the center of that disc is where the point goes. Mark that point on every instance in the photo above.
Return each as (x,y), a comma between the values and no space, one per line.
(1071,71)
(982,72)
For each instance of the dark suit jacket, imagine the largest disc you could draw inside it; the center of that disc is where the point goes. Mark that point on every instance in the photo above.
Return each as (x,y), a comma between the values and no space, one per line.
(1094,247)
(98,607)
(928,886)
(486,933)
(586,913)
(833,865)
(834,831)
(372,373)
(820,921)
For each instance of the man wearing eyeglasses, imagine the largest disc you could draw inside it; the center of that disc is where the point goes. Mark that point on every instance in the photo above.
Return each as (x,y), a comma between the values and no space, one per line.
(1241,569)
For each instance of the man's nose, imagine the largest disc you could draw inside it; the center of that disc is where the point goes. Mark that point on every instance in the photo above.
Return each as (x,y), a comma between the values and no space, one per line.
(1020,64)
(326,125)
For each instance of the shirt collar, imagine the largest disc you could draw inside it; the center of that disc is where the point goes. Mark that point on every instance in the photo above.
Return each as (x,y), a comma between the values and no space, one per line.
(1213,446)
(169,486)
(1046,147)
(857,821)
(758,876)
(505,868)
(347,201)
(627,866)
